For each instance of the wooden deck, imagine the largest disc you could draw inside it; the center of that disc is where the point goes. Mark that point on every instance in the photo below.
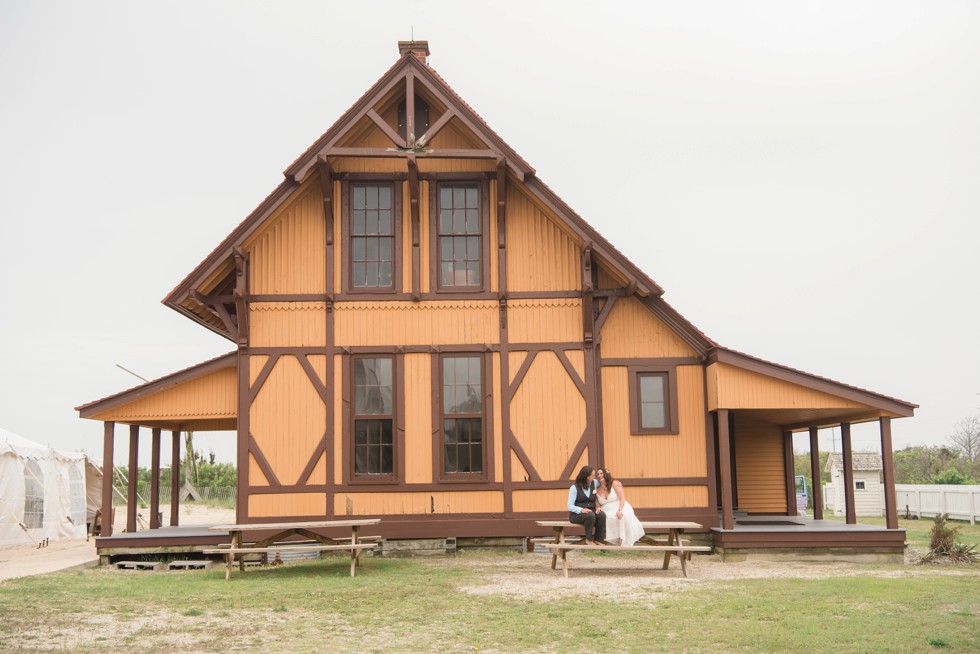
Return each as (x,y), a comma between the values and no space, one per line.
(800,538)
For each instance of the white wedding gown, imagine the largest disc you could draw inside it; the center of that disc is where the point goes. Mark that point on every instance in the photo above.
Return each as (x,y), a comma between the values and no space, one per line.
(620,532)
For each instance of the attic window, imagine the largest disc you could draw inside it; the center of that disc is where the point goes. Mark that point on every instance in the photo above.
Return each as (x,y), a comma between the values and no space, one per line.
(653,399)
(421,119)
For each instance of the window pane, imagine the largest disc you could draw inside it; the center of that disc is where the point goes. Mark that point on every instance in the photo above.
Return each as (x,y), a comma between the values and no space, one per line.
(472,221)
(372,197)
(358,247)
(384,197)
(384,223)
(384,275)
(371,249)
(473,248)
(446,196)
(357,228)
(372,386)
(471,200)
(360,274)
(446,274)
(358,197)
(384,249)
(652,416)
(473,274)
(651,388)
(459,196)
(445,221)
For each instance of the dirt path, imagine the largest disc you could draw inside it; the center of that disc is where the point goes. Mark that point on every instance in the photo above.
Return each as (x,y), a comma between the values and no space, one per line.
(27,560)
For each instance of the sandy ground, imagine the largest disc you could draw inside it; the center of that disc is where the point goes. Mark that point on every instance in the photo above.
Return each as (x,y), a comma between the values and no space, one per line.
(26,560)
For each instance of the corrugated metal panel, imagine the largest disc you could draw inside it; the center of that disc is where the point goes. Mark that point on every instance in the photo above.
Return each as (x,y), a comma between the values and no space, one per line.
(654,455)
(743,389)
(759,466)
(450,322)
(545,321)
(540,500)
(287,419)
(547,415)
(540,256)
(212,396)
(419,503)
(287,324)
(418,418)
(288,254)
(632,331)
(287,504)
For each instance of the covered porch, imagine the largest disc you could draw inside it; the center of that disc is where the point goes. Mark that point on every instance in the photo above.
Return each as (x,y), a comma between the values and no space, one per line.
(756,408)
(202,398)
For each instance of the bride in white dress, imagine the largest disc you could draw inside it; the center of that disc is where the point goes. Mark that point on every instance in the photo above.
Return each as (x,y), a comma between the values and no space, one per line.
(622,525)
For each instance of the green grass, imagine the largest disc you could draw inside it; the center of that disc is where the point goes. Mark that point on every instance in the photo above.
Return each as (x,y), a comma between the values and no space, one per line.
(917,531)
(422,605)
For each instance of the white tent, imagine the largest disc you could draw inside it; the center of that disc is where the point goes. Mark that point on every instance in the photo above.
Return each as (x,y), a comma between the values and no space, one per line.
(42,492)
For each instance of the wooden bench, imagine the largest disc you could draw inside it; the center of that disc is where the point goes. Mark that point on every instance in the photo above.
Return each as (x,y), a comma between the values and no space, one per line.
(231,553)
(674,545)
(681,551)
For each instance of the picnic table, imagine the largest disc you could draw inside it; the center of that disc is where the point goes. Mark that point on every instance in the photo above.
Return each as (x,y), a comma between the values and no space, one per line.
(674,545)
(241,546)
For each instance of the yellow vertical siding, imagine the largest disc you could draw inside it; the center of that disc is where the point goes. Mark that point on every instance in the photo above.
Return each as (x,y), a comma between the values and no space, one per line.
(287,419)
(540,500)
(403,503)
(255,475)
(654,455)
(418,418)
(517,470)
(540,256)
(607,280)
(632,331)
(212,396)
(760,466)
(287,504)
(443,322)
(545,321)
(286,324)
(737,388)
(548,415)
(656,497)
(288,254)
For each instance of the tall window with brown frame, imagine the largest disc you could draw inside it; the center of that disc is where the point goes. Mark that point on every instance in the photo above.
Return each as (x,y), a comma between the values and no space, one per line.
(653,400)
(374,447)
(373,237)
(464,449)
(460,236)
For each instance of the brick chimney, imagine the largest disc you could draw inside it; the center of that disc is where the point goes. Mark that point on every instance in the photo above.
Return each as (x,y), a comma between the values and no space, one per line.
(419,49)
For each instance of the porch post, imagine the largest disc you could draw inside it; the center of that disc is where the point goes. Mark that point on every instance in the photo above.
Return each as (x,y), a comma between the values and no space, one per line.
(175,479)
(155,480)
(134,443)
(789,465)
(845,444)
(108,440)
(725,467)
(817,489)
(888,465)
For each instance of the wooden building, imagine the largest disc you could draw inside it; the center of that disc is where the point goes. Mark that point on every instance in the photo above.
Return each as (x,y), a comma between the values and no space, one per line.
(424,332)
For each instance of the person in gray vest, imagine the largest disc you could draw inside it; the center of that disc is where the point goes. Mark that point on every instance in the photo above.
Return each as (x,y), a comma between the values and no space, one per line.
(582,509)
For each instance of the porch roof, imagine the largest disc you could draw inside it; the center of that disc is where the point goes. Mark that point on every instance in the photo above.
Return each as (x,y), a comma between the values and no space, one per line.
(203,397)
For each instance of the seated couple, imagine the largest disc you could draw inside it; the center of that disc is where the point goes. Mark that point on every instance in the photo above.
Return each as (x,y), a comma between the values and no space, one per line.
(598,502)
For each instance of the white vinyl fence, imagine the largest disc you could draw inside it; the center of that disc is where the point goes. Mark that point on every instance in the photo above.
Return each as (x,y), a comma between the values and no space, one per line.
(960,502)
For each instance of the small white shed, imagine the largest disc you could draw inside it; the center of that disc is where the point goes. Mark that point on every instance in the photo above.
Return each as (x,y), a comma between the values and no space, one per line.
(867,483)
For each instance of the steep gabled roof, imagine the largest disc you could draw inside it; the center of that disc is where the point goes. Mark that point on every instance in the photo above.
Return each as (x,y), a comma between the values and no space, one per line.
(408,67)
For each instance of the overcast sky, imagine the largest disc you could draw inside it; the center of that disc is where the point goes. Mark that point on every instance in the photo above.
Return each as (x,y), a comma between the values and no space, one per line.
(803,178)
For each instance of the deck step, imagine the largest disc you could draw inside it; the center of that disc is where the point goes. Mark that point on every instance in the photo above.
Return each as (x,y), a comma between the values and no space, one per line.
(200,564)
(139,565)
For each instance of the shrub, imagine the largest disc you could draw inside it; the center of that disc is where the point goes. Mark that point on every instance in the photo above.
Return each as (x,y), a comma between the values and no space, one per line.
(943,543)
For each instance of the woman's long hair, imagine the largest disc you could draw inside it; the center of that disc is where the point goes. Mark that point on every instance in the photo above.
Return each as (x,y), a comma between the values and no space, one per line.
(583,475)
(608,479)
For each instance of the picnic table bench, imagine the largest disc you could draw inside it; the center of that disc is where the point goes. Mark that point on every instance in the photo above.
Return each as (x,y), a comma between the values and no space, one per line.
(674,545)
(239,547)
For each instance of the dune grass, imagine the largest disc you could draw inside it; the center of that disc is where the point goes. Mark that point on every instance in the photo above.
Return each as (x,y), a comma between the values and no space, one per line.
(423,605)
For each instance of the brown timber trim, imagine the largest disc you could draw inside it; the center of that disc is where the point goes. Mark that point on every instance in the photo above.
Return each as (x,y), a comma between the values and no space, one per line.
(413,193)
(395,137)
(462,486)
(467,176)
(666,362)
(603,314)
(382,153)
(175,479)
(410,108)
(263,463)
(501,228)
(133,477)
(583,442)
(313,377)
(544,295)
(435,127)
(515,445)
(261,379)
(888,473)
(816,492)
(573,375)
(845,444)
(108,443)
(397,419)
(155,478)
(521,372)
(725,460)
(318,451)
(789,468)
